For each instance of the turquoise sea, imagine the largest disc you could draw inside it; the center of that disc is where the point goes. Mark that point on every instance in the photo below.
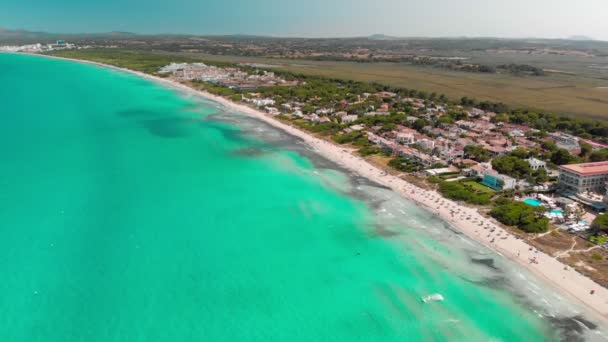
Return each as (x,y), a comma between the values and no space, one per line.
(133,212)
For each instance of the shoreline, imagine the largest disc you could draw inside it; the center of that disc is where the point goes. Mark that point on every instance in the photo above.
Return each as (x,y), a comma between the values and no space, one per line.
(466,220)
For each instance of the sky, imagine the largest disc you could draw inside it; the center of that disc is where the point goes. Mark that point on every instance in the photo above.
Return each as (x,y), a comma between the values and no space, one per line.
(315,18)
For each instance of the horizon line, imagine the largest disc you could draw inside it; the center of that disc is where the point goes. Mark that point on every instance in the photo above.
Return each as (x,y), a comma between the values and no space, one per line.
(387,36)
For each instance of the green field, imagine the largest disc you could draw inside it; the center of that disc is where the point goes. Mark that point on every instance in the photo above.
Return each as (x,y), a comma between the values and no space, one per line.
(479,187)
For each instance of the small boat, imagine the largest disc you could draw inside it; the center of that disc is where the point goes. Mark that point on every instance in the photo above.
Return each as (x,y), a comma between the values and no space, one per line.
(436,297)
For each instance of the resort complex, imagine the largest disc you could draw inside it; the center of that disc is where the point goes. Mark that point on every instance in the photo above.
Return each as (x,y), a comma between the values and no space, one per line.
(38,47)
(584,178)
(233,78)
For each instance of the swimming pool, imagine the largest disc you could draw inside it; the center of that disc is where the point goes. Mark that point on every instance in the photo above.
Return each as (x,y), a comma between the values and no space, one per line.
(557,212)
(533,202)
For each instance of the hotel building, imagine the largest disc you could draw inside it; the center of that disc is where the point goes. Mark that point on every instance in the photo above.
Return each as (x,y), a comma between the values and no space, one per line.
(587,177)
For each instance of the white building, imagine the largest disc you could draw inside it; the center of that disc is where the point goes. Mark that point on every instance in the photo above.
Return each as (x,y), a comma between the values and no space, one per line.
(536,164)
(272,110)
(349,118)
(405,138)
(263,102)
(563,140)
(427,144)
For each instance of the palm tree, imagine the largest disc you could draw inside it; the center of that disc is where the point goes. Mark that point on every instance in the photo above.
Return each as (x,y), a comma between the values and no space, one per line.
(578,213)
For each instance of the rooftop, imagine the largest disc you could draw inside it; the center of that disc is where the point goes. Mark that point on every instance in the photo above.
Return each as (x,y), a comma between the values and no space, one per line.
(588,169)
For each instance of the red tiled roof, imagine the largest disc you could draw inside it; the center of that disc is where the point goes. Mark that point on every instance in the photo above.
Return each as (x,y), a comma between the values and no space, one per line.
(596,144)
(588,169)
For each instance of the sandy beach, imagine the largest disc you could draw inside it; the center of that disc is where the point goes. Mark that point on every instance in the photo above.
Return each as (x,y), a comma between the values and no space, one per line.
(484,230)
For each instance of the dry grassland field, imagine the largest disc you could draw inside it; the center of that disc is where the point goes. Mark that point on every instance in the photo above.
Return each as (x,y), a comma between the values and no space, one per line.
(565,92)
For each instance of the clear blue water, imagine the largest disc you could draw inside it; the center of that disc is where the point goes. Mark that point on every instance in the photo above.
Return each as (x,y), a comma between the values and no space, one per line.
(533,202)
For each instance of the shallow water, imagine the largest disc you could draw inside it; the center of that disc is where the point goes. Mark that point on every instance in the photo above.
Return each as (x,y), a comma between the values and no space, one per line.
(131,212)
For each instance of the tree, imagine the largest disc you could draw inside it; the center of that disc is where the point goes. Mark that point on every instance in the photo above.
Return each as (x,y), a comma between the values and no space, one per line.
(585,149)
(562,157)
(597,156)
(549,146)
(525,217)
(465,101)
(512,166)
(519,152)
(578,213)
(540,176)
(501,118)
(600,224)
(477,153)
(445,119)
(419,124)
(463,192)
(403,164)
(308,108)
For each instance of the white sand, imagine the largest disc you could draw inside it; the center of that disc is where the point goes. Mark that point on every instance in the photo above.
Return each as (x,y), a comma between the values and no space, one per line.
(469,221)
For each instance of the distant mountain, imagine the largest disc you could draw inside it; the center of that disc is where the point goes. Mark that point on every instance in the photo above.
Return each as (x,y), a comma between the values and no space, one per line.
(580,38)
(380,36)
(8,36)
(113,34)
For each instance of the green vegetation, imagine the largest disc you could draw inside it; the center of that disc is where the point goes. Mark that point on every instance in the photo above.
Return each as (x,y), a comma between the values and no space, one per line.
(465,192)
(477,153)
(600,224)
(600,240)
(356,138)
(511,165)
(147,62)
(404,165)
(544,121)
(563,157)
(480,188)
(326,128)
(518,214)
(515,165)
(217,89)
(144,61)
(370,150)
(521,69)
(597,156)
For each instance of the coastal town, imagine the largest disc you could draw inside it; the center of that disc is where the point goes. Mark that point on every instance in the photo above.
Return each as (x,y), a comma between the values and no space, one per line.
(39,47)
(547,184)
